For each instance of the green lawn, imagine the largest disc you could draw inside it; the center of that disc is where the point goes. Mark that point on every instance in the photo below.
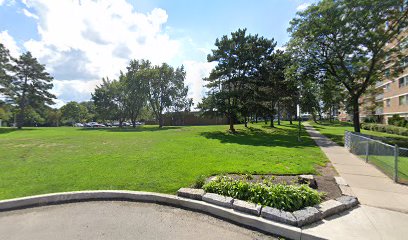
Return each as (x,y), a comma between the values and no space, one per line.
(44,160)
(335,131)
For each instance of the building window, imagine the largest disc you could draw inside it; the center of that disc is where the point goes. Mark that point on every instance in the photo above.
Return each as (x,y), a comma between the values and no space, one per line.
(403,100)
(404,62)
(404,43)
(387,72)
(387,87)
(387,57)
(388,102)
(402,82)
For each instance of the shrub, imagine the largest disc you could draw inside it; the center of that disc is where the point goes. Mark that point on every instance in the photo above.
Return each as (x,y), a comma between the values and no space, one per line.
(385,128)
(280,196)
(398,121)
(370,119)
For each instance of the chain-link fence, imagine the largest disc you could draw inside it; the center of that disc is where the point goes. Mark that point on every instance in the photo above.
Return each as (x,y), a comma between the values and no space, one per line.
(392,160)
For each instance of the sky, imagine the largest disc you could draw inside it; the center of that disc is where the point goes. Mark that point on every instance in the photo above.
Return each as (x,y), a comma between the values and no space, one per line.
(81,41)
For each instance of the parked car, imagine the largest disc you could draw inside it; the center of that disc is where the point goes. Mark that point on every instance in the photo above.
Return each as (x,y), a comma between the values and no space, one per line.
(78,125)
(94,124)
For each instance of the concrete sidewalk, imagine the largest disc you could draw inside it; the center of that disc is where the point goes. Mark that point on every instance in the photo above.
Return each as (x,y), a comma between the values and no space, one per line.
(377,194)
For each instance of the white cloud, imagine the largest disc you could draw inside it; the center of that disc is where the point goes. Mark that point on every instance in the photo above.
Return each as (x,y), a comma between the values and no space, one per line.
(9,42)
(2,2)
(196,71)
(82,41)
(29,14)
(302,6)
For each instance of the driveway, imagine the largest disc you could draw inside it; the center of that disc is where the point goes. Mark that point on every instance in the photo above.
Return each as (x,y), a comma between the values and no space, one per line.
(116,220)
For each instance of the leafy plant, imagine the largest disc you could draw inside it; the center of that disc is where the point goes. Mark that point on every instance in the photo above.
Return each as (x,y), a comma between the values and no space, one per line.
(281,196)
(199,182)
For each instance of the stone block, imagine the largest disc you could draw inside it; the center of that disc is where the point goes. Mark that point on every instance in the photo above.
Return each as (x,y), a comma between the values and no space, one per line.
(309,180)
(330,207)
(192,193)
(307,216)
(247,207)
(218,200)
(340,181)
(278,216)
(346,190)
(348,201)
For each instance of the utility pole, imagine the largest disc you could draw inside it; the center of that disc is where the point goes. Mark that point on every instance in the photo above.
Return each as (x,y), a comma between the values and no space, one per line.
(299,113)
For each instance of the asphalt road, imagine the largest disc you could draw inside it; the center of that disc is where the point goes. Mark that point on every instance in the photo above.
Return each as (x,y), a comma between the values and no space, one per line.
(116,220)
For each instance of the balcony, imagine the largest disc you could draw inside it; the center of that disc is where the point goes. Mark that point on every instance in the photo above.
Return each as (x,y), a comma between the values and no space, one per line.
(378,84)
(379,97)
(379,111)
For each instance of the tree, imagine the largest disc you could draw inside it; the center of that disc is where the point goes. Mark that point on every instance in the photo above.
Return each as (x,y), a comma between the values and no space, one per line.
(273,85)
(105,100)
(29,87)
(73,112)
(91,109)
(5,68)
(166,89)
(233,80)
(347,39)
(136,87)
(53,117)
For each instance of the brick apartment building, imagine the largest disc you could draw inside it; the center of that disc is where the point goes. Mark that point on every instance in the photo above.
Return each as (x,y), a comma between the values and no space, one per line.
(393,90)
(390,96)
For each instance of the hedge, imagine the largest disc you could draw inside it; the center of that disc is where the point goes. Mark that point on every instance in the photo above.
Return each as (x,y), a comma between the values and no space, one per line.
(403,131)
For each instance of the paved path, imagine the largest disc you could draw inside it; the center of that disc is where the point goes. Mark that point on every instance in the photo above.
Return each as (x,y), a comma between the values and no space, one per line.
(116,220)
(377,194)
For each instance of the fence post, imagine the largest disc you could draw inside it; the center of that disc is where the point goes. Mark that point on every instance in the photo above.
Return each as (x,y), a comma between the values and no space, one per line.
(396,152)
(367,148)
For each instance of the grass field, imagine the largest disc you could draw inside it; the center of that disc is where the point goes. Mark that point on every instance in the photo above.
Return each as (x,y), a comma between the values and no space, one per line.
(385,160)
(44,160)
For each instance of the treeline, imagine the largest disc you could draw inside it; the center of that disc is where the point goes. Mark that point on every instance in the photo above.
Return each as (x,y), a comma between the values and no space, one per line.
(335,54)
(143,87)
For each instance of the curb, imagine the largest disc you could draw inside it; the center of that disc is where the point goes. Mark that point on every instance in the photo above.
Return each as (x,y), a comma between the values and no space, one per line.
(165,199)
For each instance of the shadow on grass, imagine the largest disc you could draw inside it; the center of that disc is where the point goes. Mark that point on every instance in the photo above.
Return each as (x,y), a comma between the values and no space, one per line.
(259,137)
(130,129)
(9,130)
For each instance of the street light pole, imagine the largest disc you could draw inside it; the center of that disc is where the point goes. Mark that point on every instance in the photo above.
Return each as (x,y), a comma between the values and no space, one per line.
(299,113)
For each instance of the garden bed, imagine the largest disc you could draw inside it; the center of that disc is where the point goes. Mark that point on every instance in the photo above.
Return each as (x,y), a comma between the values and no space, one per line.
(325,184)
(286,199)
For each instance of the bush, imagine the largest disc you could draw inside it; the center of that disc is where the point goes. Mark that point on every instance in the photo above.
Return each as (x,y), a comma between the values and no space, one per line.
(280,196)
(398,121)
(370,119)
(385,128)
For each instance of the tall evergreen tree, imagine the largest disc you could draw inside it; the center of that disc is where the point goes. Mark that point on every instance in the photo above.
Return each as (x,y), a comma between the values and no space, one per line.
(29,86)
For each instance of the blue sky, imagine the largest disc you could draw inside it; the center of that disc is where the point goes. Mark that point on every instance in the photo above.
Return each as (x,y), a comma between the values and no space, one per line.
(81,41)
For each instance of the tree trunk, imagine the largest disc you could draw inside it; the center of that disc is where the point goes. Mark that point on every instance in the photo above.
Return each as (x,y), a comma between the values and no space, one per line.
(231,124)
(120,123)
(278,114)
(245,122)
(356,115)
(160,121)
(22,105)
(134,123)
(256,118)
(290,119)
(272,124)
